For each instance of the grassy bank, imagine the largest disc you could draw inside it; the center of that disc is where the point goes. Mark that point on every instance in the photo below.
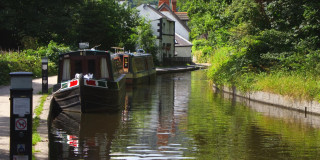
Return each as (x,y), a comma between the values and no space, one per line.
(229,68)
(286,84)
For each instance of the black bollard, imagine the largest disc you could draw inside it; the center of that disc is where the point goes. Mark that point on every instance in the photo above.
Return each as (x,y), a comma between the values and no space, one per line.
(21,115)
(44,67)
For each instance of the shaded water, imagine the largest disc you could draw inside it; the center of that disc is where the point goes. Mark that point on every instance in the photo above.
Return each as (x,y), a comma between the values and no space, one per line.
(180,117)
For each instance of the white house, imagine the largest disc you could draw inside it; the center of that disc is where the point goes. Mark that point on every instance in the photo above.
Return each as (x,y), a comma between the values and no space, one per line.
(180,26)
(175,45)
(163,27)
(183,46)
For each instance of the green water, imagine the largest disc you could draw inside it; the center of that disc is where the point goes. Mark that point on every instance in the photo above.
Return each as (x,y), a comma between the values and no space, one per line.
(180,117)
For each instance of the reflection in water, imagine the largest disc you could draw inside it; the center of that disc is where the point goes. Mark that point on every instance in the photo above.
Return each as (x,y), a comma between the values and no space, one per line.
(79,135)
(180,117)
(151,128)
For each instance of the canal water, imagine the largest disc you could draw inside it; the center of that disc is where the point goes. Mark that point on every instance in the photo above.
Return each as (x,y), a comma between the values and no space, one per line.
(181,117)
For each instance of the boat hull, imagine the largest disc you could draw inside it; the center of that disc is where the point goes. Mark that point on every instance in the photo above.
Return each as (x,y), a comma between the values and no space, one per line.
(142,77)
(86,98)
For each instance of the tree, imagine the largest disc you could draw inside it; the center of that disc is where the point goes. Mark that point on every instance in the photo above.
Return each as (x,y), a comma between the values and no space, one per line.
(38,21)
(143,38)
(33,23)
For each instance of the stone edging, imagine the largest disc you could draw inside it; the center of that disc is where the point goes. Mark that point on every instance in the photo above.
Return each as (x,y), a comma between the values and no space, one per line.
(175,69)
(274,99)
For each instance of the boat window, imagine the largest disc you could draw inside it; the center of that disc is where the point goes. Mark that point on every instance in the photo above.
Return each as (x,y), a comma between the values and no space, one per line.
(66,69)
(117,67)
(78,66)
(104,68)
(92,66)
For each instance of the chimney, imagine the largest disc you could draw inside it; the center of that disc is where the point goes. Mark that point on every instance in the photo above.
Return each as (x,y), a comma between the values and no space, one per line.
(174,3)
(163,1)
(170,3)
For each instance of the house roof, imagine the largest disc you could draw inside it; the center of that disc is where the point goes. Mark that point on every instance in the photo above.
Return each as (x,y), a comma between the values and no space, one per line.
(182,15)
(156,11)
(164,5)
(181,42)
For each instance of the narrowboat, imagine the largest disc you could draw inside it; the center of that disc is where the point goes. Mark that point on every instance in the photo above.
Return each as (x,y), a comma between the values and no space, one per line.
(89,81)
(139,67)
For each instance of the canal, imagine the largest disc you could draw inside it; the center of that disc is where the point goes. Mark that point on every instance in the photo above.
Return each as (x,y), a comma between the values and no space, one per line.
(181,117)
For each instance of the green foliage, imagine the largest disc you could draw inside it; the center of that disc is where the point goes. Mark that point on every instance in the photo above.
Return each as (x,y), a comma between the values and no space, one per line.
(142,37)
(30,61)
(14,62)
(221,57)
(201,50)
(32,24)
(183,5)
(250,39)
(199,44)
(294,85)
(52,51)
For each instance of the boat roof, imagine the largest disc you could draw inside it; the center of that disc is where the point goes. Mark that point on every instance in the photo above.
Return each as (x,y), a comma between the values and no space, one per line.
(117,48)
(87,52)
(136,54)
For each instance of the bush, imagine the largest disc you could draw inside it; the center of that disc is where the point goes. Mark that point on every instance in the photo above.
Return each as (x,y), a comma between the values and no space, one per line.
(201,50)
(30,61)
(52,51)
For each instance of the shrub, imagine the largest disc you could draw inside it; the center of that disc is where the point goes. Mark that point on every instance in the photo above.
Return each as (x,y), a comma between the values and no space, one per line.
(52,51)
(30,61)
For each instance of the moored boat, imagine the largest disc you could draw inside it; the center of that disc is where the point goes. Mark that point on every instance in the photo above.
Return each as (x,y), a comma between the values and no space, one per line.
(89,81)
(138,67)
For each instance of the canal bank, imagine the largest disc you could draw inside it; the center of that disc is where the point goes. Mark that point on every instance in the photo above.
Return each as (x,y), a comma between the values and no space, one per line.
(5,118)
(176,69)
(272,99)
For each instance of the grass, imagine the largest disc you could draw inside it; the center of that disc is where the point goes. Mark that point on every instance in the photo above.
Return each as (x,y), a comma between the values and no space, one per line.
(295,85)
(36,120)
(230,68)
(292,85)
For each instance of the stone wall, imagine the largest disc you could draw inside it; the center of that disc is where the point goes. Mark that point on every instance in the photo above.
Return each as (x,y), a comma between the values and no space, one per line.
(274,99)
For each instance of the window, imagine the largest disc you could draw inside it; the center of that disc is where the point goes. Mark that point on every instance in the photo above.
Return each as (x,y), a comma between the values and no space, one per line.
(168,46)
(92,66)
(78,66)
(66,69)
(104,68)
(117,67)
